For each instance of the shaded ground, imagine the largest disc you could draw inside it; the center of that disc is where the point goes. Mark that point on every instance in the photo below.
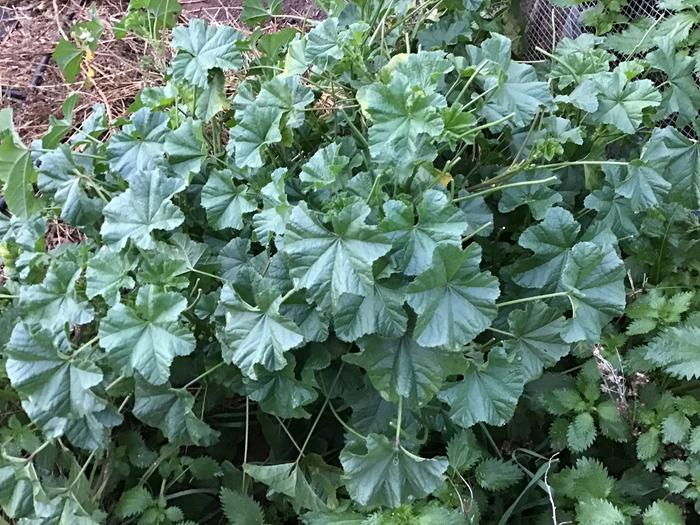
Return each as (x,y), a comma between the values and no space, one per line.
(31,83)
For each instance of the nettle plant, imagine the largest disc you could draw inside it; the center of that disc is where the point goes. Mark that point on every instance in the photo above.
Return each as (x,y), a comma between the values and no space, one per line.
(325,271)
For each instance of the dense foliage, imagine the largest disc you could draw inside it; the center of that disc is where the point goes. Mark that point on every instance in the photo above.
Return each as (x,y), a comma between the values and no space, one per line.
(377,272)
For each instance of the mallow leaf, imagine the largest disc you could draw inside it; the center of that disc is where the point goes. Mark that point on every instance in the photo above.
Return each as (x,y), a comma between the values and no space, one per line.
(401,368)
(56,300)
(142,209)
(171,410)
(455,301)
(538,343)
(414,241)
(621,102)
(107,273)
(258,127)
(139,144)
(185,148)
(201,47)
(53,386)
(226,202)
(380,473)
(487,393)
(400,117)
(288,95)
(594,277)
(147,337)
(550,240)
(281,392)
(380,311)
(331,262)
(643,186)
(257,334)
(272,220)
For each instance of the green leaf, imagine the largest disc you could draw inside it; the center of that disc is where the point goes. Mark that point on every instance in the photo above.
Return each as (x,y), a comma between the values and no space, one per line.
(257,334)
(201,47)
(258,128)
(594,277)
(139,144)
(325,169)
(454,300)
(539,198)
(329,263)
(171,411)
(257,12)
(288,95)
(240,509)
(323,48)
(226,202)
(676,351)
(289,479)
(621,103)
(400,368)
(614,211)
(600,512)
(56,301)
(55,389)
(63,176)
(675,428)
(414,241)
(551,241)
(212,99)
(381,311)
(495,474)
(272,220)
(18,175)
(378,473)
(487,393)
(677,158)
(681,94)
(185,148)
(401,117)
(581,432)
(134,502)
(464,451)
(107,274)
(68,56)
(538,338)
(283,394)
(142,209)
(663,513)
(147,337)
(643,186)
(518,93)
(589,479)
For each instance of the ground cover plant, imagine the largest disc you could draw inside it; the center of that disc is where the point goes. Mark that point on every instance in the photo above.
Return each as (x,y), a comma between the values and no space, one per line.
(377,272)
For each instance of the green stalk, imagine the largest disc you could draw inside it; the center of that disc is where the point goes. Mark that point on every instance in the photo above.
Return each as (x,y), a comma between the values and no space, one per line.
(532,298)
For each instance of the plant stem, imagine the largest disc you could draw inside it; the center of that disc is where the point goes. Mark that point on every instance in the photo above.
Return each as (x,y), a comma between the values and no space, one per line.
(190,492)
(204,374)
(320,413)
(532,298)
(399,416)
(7,296)
(506,186)
(502,332)
(86,345)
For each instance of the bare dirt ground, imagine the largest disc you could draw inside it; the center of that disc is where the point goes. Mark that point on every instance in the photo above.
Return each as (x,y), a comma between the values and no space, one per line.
(31,83)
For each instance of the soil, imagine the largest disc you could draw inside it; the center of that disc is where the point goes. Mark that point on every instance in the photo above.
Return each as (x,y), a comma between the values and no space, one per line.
(31,83)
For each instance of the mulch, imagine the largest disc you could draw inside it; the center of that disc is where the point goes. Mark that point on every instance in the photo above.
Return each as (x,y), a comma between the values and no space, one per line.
(32,84)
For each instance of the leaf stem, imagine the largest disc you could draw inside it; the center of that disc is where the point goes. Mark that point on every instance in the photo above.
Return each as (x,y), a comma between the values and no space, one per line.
(506,186)
(532,298)
(204,374)
(7,296)
(345,425)
(86,345)
(502,332)
(320,413)
(190,492)
(399,416)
